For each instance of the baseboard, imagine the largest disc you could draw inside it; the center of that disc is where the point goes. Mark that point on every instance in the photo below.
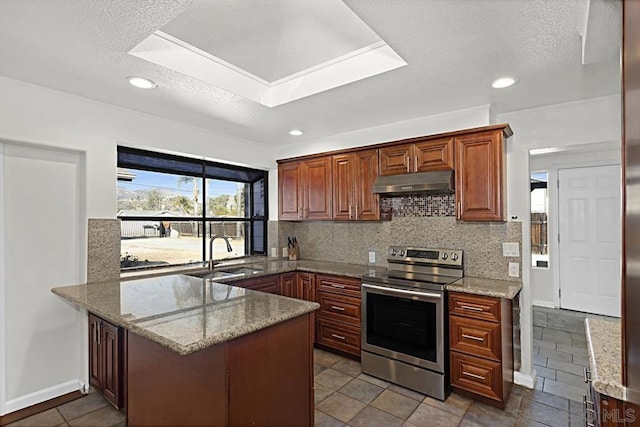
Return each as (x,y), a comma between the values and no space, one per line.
(545,304)
(526,380)
(42,395)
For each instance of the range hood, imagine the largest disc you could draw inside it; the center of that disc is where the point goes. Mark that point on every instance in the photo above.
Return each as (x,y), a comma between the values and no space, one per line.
(415,183)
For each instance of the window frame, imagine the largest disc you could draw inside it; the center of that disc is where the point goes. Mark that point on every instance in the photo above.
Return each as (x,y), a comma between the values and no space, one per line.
(204,219)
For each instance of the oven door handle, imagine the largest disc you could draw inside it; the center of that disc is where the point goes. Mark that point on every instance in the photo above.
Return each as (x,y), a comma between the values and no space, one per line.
(403,291)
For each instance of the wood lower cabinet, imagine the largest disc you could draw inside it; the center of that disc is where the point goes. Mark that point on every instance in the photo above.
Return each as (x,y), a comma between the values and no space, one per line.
(269,284)
(338,319)
(106,360)
(304,189)
(481,347)
(353,178)
(299,285)
(421,156)
(481,175)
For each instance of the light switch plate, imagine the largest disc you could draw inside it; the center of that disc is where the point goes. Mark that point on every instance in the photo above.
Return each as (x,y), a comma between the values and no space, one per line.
(514,269)
(510,249)
(372,257)
(285,252)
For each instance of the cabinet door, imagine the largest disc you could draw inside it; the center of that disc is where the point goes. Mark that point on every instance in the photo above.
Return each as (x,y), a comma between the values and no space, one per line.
(96,377)
(480,176)
(111,345)
(306,286)
(366,171)
(288,285)
(343,184)
(434,155)
(395,160)
(317,189)
(290,191)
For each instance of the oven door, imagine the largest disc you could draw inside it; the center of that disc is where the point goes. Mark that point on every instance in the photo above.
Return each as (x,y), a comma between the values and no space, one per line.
(404,324)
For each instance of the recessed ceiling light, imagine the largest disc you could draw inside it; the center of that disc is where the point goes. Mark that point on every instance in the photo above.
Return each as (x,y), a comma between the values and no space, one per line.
(504,82)
(141,82)
(295,132)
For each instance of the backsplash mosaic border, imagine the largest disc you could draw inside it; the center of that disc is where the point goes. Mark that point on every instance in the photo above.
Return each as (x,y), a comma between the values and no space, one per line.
(420,205)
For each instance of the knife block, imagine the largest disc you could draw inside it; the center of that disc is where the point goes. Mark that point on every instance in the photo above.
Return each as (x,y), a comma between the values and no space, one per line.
(294,252)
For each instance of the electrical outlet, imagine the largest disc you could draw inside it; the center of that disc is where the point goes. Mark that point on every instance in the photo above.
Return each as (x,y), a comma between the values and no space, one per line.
(372,257)
(514,269)
(285,252)
(274,252)
(510,249)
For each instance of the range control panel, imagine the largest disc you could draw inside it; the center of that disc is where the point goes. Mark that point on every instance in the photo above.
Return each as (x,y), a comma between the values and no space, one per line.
(413,255)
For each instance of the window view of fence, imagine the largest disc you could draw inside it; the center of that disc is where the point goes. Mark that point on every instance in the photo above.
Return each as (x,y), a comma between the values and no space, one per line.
(168,218)
(539,220)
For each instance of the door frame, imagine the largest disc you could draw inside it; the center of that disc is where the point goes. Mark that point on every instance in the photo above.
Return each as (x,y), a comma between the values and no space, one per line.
(3,391)
(554,199)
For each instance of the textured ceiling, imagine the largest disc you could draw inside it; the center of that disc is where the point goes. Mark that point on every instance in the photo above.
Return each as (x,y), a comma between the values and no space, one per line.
(454,48)
(272,39)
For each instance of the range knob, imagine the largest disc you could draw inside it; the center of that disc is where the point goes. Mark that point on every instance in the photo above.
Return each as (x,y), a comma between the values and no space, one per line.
(394,252)
(445,255)
(401,252)
(454,257)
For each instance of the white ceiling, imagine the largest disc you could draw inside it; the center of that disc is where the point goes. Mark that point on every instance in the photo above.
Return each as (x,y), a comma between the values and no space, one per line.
(272,39)
(453,48)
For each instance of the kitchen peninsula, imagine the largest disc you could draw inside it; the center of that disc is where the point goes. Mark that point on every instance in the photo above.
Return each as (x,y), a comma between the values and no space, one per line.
(198,352)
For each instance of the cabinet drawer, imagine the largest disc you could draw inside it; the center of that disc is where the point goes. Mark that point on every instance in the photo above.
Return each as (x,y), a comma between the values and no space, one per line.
(475,337)
(338,284)
(340,336)
(263,284)
(474,306)
(339,307)
(476,375)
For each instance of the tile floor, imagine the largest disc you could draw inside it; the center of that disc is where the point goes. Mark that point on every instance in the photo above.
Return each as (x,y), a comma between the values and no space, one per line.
(345,396)
(560,351)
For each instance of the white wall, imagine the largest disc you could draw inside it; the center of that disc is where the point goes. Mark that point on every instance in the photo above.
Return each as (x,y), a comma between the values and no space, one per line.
(30,113)
(560,125)
(43,195)
(544,281)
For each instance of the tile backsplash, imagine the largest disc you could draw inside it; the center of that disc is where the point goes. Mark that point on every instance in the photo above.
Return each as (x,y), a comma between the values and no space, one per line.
(420,205)
(350,242)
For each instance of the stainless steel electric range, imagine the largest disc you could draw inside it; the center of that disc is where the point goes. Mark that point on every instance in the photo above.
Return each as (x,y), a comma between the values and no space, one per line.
(404,318)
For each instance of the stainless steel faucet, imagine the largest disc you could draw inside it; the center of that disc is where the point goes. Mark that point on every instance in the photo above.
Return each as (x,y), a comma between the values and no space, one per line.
(214,237)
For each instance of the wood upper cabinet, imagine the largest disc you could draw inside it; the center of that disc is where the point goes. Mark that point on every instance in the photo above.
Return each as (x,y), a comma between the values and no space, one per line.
(106,360)
(480,176)
(304,189)
(353,178)
(426,156)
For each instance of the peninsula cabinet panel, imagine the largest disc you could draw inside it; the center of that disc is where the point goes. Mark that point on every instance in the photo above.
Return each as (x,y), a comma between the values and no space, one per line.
(480,176)
(304,189)
(353,178)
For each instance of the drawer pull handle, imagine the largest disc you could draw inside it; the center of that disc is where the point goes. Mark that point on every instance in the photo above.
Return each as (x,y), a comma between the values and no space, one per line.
(469,374)
(340,337)
(337,286)
(587,375)
(333,307)
(471,337)
(469,307)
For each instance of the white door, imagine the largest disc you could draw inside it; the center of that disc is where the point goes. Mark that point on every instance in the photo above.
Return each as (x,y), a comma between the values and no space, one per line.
(590,232)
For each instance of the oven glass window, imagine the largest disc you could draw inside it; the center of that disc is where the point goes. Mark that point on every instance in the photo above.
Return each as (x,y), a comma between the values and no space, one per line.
(402,325)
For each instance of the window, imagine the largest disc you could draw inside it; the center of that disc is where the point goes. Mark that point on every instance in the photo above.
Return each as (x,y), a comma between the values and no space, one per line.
(539,224)
(170,206)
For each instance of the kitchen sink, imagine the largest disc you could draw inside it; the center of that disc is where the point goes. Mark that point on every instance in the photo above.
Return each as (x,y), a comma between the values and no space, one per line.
(230,271)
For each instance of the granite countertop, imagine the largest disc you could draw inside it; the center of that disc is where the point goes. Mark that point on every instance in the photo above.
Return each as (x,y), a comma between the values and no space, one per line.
(604,344)
(183,313)
(266,266)
(487,287)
